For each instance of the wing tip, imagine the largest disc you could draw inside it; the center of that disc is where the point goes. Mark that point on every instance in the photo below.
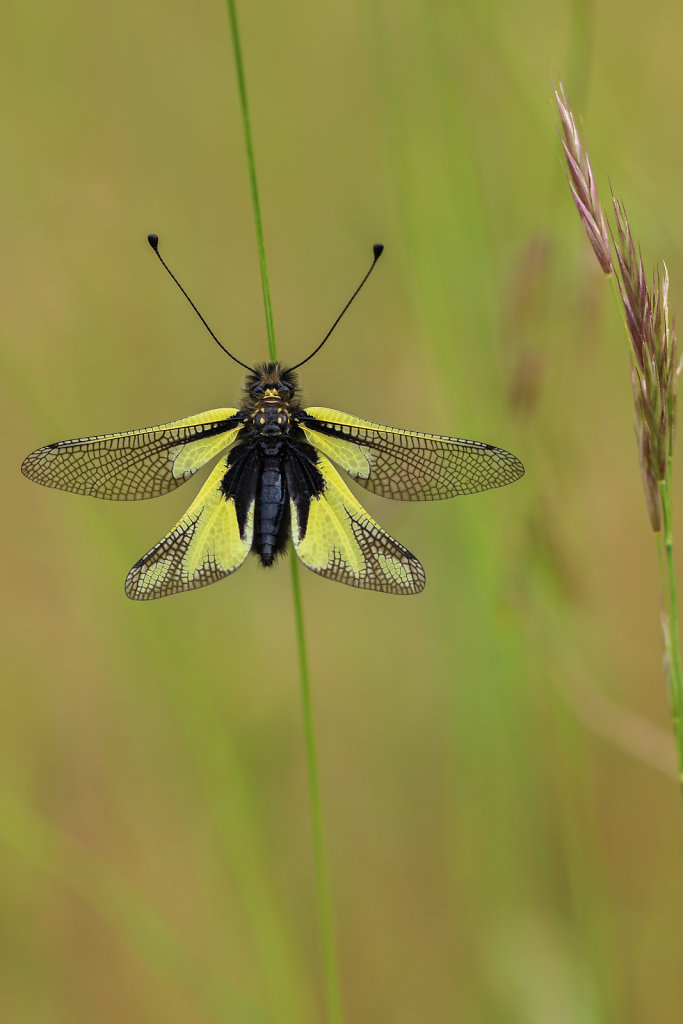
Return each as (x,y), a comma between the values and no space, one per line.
(29,463)
(25,467)
(418,573)
(513,470)
(130,587)
(517,466)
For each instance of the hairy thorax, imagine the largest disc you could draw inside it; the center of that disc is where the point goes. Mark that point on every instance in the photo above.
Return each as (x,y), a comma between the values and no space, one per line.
(271,417)
(270,406)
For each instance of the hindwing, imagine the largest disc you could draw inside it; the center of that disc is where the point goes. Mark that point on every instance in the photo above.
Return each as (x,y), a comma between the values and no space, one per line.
(211,540)
(335,537)
(405,464)
(134,464)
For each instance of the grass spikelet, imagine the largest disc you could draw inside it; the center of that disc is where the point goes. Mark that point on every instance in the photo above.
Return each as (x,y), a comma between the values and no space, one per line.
(654,374)
(653,371)
(582,183)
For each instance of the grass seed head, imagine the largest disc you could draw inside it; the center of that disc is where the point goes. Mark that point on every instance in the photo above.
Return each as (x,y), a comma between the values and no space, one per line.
(646,310)
(654,359)
(582,183)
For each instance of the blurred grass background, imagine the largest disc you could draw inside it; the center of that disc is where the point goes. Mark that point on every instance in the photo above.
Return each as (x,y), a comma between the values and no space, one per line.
(505,835)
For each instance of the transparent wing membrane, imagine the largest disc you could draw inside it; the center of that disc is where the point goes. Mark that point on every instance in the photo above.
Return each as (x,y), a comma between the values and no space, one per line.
(134,464)
(405,464)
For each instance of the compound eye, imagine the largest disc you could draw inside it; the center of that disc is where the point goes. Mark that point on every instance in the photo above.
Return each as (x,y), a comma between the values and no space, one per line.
(258,389)
(283,388)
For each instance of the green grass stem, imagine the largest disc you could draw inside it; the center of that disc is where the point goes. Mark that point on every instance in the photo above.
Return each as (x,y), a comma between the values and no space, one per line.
(322,880)
(665,551)
(670,617)
(253,182)
(332,989)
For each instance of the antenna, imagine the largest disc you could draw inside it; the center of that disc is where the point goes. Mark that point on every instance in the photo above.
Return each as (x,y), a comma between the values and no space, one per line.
(154,242)
(377,251)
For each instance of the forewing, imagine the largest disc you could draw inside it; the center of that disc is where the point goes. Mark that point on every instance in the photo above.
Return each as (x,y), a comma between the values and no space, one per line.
(211,540)
(405,464)
(334,536)
(135,463)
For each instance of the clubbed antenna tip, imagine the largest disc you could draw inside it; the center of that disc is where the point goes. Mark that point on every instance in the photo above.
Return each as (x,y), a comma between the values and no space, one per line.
(154,242)
(377,250)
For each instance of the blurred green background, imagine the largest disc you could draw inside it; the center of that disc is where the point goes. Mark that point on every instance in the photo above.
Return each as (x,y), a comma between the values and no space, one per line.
(503,823)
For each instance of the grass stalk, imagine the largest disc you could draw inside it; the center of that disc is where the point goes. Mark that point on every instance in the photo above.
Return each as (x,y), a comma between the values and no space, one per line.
(670,619)
(322,882)
(332,990)
(253,182)
(644,309)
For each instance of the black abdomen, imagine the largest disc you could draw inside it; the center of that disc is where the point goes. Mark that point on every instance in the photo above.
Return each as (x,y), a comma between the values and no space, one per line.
(271,514)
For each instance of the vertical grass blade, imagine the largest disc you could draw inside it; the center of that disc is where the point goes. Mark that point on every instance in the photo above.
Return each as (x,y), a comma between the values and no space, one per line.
(322,881)
(253,183)
(332,990)
(670,620)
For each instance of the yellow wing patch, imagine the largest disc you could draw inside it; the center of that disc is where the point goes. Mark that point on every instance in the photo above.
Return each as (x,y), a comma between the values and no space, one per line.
(205,546)
(405,464)
(343,543)
(134,464)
